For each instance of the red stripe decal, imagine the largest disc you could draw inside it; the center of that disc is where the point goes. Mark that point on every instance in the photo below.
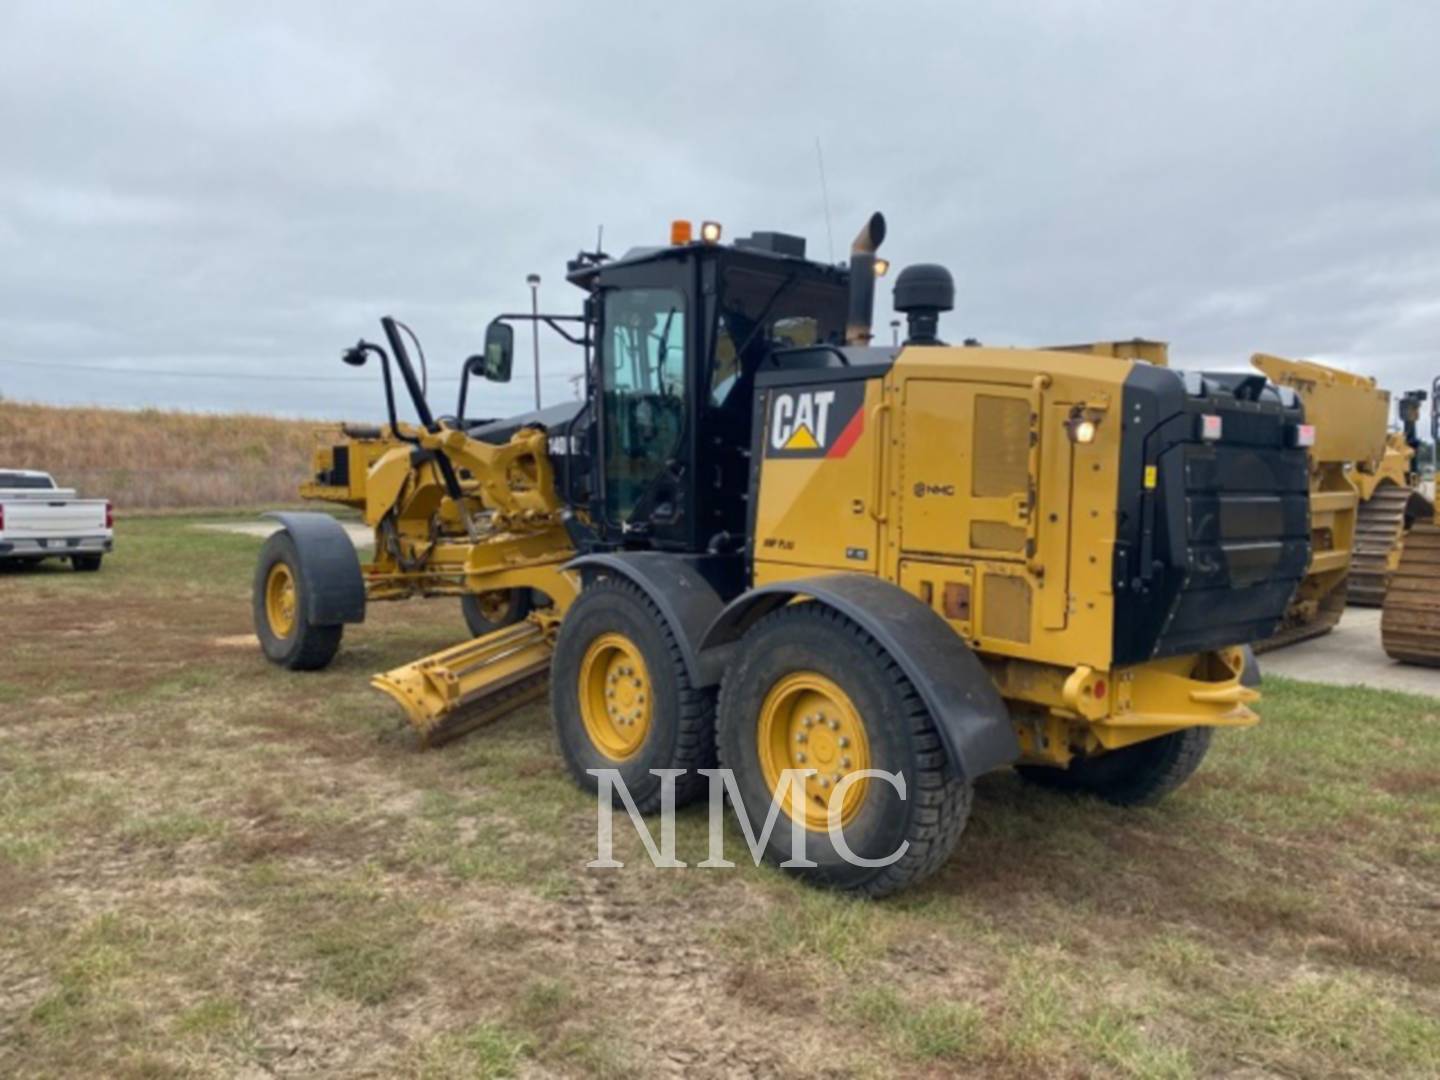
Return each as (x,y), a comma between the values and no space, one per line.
(841,446)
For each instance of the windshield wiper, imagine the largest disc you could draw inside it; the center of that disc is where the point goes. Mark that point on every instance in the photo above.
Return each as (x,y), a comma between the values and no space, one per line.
(764,313)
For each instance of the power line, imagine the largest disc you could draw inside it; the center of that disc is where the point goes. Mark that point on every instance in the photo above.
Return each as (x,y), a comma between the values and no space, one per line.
(241,376)
(166,374)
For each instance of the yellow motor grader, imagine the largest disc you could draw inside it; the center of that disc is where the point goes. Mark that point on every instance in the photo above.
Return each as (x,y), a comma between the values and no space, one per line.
(764,540)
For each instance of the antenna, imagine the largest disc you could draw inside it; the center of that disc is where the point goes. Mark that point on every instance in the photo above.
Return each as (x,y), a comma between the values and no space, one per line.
(599,238)
(825,196)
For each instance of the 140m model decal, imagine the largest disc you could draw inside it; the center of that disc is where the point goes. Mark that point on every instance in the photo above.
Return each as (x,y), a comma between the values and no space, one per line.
(814,423)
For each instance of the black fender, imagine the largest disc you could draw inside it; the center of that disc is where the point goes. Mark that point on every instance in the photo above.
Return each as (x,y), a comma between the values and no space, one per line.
(329,568)
(972,718)
(686,588)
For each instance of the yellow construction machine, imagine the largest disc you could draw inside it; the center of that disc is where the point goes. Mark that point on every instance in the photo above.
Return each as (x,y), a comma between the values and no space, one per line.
(1410,621)
(1391,501)
(1347,463)
(762,539)
(1364,492)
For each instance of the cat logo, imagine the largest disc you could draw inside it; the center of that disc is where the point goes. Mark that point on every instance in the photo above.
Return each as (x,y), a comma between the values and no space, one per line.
(815,423)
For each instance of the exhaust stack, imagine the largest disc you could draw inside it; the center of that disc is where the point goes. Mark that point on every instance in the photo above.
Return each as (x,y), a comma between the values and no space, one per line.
(862,280)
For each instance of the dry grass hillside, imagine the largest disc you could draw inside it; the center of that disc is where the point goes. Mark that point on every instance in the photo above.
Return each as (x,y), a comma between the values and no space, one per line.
(149,459)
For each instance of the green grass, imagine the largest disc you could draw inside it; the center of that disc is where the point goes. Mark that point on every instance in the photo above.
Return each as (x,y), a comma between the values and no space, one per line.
(209,866)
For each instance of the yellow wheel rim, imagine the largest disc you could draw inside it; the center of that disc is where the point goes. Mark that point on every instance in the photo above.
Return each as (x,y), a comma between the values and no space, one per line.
(808,722)
(494,605)
(280,600)
(615,696)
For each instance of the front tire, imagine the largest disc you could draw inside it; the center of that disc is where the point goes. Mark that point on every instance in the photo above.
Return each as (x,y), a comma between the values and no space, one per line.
(811,689)
(622,698)
(1138,775)
(279,603)
(85,563)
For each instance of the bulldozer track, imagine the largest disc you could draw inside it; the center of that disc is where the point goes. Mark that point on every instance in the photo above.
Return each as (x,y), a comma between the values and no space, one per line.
(1332,606)
(1410,622)
(1379,529)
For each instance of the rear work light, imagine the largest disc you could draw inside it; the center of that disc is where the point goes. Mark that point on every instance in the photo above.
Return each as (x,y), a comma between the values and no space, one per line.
(1302,435)
(1210,427)
(109,515)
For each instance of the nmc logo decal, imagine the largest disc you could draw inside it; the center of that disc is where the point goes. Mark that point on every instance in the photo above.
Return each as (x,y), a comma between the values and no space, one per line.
(816,422)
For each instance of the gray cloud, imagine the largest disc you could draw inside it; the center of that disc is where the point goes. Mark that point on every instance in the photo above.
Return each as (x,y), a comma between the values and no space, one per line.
(243,189)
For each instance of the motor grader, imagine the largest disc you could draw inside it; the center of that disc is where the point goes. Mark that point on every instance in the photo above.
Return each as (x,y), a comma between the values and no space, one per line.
(764,540)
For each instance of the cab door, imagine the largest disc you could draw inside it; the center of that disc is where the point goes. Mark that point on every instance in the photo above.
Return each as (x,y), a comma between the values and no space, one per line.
(645,378)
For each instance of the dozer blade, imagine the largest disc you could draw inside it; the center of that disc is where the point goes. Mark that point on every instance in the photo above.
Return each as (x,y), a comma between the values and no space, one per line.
(467,685)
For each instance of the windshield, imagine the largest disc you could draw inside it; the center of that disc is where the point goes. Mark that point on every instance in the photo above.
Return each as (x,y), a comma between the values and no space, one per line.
(642,372)
(763,311)
(15,481)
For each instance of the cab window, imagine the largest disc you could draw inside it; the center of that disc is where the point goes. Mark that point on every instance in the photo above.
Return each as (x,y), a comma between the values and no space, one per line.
(760,312)
(642,372)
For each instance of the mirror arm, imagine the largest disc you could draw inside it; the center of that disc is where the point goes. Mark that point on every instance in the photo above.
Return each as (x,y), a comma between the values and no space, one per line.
(472,367)
(355,357)
(552,321)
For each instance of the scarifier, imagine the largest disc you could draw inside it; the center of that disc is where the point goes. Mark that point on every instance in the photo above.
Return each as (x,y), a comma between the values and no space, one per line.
(765,540)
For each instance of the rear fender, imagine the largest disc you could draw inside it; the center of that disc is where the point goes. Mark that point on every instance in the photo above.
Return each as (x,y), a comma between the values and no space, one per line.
(969,713)
(330,576)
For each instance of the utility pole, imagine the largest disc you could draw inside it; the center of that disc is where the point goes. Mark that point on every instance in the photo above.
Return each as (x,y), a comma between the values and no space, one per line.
(533,280)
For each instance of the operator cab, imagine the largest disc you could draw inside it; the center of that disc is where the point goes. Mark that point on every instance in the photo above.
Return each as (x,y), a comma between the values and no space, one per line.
(678,335)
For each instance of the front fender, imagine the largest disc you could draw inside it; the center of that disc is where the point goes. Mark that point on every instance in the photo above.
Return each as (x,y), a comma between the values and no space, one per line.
(687,590)
(972,718)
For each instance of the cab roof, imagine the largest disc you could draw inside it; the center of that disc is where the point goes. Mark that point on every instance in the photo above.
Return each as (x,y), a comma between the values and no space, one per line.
(775,252)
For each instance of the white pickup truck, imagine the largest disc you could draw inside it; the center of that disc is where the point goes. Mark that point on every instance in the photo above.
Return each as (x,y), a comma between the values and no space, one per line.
(41,521)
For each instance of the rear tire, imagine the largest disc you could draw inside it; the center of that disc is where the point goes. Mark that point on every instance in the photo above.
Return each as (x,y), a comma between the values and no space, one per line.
(809,646)
(85,563)
(657,721)
(490,611)
(1138,775)
(279,602)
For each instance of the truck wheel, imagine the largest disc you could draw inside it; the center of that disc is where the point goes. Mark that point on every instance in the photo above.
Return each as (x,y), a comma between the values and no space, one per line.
(85,563)
(622,697)
(287,636)
(809,689)
(490,611)
(1138,775)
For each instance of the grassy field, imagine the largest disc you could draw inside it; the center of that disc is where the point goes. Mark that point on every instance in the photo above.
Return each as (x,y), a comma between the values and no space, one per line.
(209,866)
(147,459)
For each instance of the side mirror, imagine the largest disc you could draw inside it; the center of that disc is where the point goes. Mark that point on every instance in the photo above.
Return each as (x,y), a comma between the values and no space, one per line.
(499,351)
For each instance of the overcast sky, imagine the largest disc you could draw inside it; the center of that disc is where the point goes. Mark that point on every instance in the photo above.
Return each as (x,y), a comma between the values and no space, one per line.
(236,191)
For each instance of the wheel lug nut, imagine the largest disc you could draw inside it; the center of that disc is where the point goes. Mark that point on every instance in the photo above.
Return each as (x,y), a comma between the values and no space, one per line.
(809,721)
(824,781)
(800,758)
(844,741)
(800,738)
(844,762)
(834,725)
